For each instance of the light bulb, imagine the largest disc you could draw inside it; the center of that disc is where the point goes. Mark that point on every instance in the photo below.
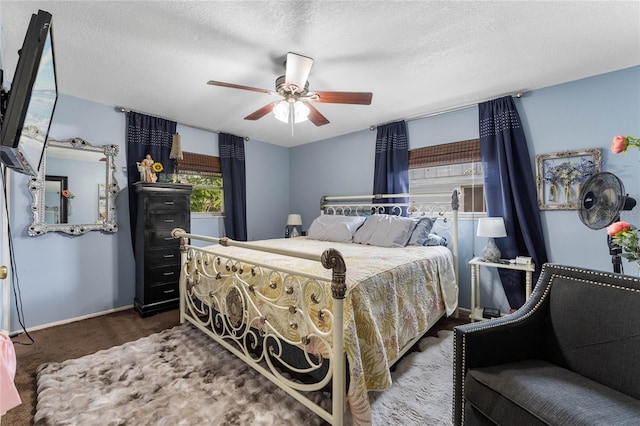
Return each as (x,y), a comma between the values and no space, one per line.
(281,111)
(301,112)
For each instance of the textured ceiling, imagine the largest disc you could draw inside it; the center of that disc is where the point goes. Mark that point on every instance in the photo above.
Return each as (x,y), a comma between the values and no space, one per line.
(416,57)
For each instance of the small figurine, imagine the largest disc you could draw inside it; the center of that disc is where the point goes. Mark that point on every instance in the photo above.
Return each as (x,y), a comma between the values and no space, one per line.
(146,172)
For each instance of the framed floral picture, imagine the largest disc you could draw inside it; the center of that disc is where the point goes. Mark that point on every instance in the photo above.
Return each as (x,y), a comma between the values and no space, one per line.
(560,176)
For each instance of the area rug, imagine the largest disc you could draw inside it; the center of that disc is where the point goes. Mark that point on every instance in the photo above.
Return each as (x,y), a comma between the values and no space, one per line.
(181,377)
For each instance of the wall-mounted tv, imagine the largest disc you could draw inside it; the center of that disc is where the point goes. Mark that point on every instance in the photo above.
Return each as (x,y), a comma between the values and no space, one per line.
(31,99)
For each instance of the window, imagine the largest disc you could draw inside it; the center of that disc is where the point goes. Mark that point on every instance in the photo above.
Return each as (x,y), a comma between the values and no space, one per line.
(439,168)
(204,173)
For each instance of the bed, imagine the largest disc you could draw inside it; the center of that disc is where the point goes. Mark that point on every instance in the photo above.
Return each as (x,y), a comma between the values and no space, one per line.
(325,316)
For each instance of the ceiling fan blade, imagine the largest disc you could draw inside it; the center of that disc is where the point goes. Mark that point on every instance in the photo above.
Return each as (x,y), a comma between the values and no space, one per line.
(261,112)
(315,116)
(238,86)
(297,70)
(358,98)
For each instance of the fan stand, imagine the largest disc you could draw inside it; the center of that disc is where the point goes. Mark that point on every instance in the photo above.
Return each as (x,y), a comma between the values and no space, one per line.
(614,251)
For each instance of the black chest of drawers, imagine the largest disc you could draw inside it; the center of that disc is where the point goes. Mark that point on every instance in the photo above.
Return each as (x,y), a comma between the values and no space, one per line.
(161,208)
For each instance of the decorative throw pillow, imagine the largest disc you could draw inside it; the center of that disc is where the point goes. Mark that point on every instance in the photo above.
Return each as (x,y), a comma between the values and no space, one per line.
(421,232)
(336,228)
(435,240)
(385,231)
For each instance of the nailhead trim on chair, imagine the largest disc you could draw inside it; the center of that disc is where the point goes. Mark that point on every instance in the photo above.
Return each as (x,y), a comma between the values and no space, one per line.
(528,314)
(453,402)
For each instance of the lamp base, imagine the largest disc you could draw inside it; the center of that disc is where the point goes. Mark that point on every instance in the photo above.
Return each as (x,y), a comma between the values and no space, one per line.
(491,252)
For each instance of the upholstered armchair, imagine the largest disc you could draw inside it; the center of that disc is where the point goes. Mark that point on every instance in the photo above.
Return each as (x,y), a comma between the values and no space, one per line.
(569,356)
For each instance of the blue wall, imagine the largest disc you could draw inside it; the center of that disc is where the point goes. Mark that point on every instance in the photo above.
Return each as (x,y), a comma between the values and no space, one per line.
(63,277)
(586,113)
(582,114)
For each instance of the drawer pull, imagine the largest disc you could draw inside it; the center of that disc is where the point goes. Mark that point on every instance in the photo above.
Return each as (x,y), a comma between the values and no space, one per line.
(168,274)
(168,256)
(169,291)
(169,220)
(169,203)
(169,238)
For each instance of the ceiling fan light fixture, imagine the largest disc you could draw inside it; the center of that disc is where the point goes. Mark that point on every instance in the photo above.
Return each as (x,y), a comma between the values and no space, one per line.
(300,111)
(281,111)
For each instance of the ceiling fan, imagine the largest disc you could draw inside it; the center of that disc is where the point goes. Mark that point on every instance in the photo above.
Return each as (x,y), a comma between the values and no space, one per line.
(293,87)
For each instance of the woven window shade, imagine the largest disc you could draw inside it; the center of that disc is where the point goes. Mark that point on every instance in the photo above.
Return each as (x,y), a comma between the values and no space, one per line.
(200,164)
(448,153)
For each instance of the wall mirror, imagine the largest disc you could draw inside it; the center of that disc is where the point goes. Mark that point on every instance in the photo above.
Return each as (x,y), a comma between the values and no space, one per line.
(75,189)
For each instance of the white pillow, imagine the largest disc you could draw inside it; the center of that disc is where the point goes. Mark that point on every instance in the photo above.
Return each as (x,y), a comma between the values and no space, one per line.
(336,228)
(385,231)
(422,231)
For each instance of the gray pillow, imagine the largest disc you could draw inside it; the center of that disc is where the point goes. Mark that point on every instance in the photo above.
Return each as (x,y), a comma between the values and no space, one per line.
(422,231)
(336,228)
(435,240)
(385,230)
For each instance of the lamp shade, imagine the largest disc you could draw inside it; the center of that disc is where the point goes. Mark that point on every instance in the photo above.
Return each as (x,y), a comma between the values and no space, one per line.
(491,227)
(294,220)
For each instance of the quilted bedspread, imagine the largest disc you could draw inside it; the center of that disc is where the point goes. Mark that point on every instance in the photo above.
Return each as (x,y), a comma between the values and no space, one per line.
(393,295)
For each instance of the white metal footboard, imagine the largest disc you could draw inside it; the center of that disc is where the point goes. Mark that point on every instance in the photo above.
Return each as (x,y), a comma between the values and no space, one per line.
(252,309)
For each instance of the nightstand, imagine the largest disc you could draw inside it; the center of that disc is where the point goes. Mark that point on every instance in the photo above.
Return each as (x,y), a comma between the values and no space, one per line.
(476,263)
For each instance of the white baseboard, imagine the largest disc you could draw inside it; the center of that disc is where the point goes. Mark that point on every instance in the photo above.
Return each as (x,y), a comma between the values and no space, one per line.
(67,321)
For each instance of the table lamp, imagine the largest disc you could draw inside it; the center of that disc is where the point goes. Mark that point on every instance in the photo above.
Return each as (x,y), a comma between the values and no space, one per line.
(491,227)
(293,222)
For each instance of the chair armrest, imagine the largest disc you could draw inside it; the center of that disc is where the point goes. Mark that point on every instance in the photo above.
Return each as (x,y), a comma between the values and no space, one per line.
(502,340)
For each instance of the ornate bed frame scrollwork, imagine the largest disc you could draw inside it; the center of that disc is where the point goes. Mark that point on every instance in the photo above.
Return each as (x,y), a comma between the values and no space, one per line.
(233,300)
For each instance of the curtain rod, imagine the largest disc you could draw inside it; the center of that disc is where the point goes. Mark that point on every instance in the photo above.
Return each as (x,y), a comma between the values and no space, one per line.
(125,110)
(445,111)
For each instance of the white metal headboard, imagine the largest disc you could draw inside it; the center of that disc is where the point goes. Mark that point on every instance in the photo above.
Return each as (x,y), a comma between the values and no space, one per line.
(414,205)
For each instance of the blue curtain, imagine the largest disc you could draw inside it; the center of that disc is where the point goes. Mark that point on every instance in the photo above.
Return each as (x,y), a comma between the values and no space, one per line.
(234,186)
(146,135)
(391,172)
(510,191)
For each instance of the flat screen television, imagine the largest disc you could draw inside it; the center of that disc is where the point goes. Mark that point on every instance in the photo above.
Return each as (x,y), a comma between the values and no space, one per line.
(31,99)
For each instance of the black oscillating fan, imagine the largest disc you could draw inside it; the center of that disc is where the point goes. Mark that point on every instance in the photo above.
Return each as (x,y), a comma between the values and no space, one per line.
(602,198)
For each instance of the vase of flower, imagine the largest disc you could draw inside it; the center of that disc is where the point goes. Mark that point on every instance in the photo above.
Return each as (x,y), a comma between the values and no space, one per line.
(571,192)
(553,193)
(568,193)
(578,190)
(68,197)
(626,237)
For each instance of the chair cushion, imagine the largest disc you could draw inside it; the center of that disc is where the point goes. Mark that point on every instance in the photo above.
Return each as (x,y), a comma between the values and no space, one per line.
(535,392)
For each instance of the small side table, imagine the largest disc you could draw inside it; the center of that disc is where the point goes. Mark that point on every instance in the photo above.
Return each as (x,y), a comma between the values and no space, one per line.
(476,263)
